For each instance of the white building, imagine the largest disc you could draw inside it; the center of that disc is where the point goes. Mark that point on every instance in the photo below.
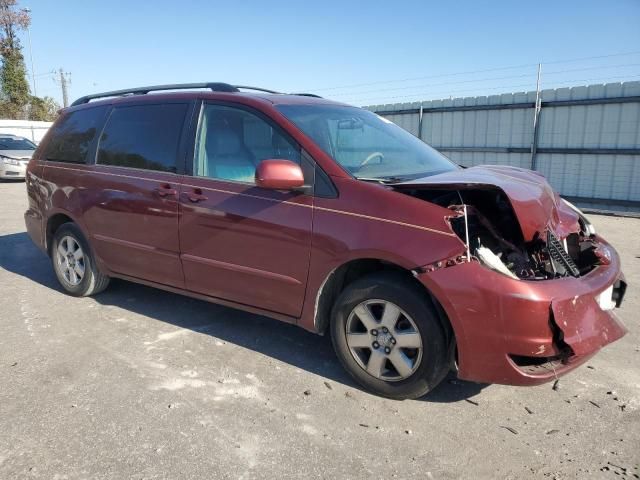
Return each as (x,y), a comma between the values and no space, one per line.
(30,129)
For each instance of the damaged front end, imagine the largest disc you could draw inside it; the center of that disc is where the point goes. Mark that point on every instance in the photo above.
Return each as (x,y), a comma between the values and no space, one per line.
(545,301)
(485,222)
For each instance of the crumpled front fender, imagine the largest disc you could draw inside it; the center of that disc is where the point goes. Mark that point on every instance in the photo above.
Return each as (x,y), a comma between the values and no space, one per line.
(498,319)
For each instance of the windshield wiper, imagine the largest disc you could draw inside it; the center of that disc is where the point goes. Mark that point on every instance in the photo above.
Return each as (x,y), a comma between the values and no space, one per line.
(383,180)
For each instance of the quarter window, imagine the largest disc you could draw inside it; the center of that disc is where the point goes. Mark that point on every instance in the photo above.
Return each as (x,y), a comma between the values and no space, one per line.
(231,142)
(72,135)
(143,136)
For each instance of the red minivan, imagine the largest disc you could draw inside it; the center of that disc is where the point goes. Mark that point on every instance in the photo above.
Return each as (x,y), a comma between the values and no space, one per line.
(331,217)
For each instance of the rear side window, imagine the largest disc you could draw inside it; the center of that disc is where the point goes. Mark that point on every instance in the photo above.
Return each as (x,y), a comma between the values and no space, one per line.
(143,136)
(72,135)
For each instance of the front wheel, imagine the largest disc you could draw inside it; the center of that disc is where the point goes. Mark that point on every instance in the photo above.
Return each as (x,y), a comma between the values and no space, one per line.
(74,264)
(387,335)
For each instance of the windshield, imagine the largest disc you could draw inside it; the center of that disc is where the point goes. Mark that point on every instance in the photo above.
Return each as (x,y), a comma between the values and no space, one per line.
(365,144)
(17,143)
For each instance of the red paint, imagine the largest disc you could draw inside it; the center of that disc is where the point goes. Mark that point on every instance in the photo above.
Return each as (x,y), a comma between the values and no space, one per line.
(246,244)
(535,203)
(495,316)
(279,175)
(269,249)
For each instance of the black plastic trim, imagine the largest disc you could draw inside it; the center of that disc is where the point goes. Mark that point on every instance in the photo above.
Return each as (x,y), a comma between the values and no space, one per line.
(213,86)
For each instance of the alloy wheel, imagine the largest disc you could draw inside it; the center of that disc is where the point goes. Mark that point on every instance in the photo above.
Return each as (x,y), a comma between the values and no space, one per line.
(384,340)
(70,260)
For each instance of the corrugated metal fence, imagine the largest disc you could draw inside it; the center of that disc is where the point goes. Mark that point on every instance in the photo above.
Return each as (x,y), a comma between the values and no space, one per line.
(587,140)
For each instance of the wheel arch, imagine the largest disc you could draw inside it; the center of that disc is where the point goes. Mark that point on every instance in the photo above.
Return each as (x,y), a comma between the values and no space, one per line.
(54,222)
(340,277)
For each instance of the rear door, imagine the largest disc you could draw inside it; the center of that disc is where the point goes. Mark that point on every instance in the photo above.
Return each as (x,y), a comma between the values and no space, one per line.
(240,242)
(131,196)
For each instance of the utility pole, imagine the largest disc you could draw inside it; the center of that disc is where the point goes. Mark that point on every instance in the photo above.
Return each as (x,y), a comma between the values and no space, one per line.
(63,84)
(33,75)
(536,120)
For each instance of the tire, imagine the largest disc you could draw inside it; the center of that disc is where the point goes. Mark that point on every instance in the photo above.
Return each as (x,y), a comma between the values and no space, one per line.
(422,368)
(74,264)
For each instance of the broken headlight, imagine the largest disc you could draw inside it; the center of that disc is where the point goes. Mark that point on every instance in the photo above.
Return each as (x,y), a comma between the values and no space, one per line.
(585,224)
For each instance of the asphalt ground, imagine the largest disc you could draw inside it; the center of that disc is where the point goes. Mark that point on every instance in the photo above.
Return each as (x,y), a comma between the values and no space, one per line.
(140,383)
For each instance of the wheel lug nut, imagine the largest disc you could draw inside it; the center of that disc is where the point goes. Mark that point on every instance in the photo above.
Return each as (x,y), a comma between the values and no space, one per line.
(387,350)
(374,332)
(375,345)
(393,341)
(384,329)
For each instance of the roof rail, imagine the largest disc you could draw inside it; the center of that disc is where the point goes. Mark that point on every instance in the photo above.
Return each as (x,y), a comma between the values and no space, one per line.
(306,95)
(214,86)
(257,89)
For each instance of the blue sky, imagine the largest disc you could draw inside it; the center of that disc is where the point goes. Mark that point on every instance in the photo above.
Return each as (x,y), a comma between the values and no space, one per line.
(362,52)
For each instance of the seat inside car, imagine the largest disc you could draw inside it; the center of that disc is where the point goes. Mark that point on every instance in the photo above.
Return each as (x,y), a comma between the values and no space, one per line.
(227,157)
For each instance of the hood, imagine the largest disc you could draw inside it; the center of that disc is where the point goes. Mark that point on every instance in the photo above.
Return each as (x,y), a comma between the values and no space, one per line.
(537,207)
(17,154)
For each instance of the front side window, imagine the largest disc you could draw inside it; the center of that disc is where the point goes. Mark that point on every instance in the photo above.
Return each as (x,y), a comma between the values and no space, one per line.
(143,136)
(365,144)
(71,136)
(231,142)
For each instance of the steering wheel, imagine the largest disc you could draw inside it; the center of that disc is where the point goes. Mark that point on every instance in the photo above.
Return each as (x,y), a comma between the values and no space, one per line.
(371,157)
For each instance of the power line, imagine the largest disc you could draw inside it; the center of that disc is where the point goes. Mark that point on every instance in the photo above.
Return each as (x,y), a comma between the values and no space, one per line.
(346,94)
(476,80)
(469,72)
(421,78)
(529,84)
(621,65)
(52,72)
(450,93)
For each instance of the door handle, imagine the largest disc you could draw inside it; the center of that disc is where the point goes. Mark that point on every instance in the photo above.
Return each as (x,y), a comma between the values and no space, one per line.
(196,196)
(166,190)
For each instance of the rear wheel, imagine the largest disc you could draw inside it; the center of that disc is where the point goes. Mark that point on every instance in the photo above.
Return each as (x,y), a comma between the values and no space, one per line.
(387,335)
(74,264)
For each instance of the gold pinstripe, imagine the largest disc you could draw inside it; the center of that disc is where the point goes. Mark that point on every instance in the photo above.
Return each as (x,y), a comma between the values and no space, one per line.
(331,210)
(386,220)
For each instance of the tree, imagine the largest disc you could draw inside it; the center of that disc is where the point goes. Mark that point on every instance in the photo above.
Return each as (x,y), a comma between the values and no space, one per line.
(43,109)
(14,96)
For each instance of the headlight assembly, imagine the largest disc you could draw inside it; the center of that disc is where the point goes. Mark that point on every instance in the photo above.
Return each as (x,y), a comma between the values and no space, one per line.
(585,224)
(9,161)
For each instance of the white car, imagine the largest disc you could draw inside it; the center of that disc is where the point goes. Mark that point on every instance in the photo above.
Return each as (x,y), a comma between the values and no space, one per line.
(15,153)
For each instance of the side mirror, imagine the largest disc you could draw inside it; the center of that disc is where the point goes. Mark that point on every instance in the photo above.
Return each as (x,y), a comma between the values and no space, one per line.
(279,175)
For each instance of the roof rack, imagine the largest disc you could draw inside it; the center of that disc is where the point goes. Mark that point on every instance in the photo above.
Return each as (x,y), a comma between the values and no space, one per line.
(213,86)
(306,95)
(257,89)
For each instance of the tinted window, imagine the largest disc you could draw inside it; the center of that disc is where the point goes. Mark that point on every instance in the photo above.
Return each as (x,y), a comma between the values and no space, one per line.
(143,136)
(231,142)
(72,135)
(16,143)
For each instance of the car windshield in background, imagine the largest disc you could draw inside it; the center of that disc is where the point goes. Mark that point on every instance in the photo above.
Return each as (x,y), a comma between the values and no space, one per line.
(16,144)
(365,144)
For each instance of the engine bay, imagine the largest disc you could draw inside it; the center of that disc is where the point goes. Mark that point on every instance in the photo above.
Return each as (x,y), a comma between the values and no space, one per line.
(484,219)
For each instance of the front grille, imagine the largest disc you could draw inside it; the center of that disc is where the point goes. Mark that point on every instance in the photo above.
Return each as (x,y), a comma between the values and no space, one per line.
(562,262)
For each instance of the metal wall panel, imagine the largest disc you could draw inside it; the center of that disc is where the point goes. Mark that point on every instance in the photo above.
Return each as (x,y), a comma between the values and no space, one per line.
(607,179)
